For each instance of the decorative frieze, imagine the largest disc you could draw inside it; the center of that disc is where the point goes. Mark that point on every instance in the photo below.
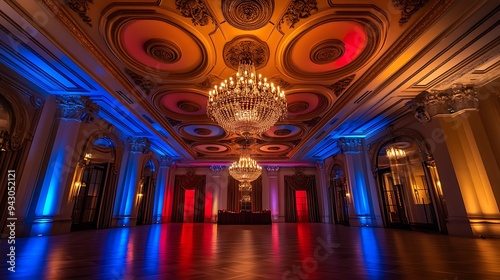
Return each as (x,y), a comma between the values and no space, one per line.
(455,99)
(350,145)
(138,145)
(408,8)
(196,10)
(81,7)
(341,85)
(144,84)
(297,10)
(70,107)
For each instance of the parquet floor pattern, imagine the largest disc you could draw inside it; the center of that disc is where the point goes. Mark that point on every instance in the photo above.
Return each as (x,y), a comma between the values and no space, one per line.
(278,251)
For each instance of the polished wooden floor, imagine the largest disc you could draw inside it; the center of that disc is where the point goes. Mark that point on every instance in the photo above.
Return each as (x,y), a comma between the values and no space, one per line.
(278,251)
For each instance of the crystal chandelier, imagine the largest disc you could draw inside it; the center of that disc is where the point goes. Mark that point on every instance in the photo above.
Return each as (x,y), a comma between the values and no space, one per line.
(245,170)
(246,104)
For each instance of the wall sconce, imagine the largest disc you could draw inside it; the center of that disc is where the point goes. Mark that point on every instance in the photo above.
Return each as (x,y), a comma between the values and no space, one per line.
(76,189)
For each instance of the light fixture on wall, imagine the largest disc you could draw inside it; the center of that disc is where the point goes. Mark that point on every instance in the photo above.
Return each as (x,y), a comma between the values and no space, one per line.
(397,161)
(245,170)
(247,104)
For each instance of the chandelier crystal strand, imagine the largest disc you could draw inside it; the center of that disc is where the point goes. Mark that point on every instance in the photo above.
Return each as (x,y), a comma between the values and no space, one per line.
(247,104)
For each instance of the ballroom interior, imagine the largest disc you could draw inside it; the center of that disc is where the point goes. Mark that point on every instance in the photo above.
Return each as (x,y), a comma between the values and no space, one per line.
(343,115)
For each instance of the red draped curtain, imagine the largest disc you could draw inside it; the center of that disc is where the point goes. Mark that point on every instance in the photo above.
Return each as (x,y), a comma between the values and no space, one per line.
(234,195)
(296,182)
(194,182)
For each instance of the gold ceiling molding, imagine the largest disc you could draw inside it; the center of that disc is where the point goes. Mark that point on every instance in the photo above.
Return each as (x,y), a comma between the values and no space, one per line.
(395,50)
(341,85)
(297,10)
(408,8)
(373,22)
(196,10)
(144,84)
(247,14)
(248,48)
(163,50)
(81,7)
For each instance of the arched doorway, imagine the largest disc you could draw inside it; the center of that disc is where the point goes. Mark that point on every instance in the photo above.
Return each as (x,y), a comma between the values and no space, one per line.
(409,188)
(93,185)
(146,195)
(337,194)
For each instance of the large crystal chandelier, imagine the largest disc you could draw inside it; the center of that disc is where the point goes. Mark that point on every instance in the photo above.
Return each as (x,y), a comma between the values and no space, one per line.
(247,104)
(245,170)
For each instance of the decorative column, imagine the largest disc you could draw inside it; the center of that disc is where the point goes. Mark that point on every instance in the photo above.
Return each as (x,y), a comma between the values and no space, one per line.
(216,172)
(126,200)
(272,173)
(361,213)
(471,150)
(71,111)
(160,191)
(323,192)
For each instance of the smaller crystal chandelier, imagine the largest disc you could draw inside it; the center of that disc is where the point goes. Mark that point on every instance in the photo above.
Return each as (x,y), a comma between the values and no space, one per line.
(245,170)
(247,104)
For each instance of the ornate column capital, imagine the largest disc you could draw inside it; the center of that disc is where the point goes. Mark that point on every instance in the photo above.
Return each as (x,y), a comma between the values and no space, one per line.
(320,164)
(350,145)
(79,108)
(443,102)
(216,168)
(166,161)
(138,145)
(272,170)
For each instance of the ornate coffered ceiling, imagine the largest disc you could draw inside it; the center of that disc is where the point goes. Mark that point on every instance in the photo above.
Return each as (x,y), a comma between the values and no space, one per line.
(347,67)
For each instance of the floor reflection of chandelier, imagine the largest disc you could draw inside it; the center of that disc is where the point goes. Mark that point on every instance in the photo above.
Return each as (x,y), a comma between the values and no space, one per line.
(247,104)
(245,170)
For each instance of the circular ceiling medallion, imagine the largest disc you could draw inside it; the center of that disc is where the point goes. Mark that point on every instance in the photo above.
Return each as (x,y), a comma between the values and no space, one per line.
(306,104)
(283,131)
(162,50)
(181,104)
(274,148)
(248,48)
(297,107)
(327,51)
(202,131)
(188,106)
(211,148)
(247,15)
